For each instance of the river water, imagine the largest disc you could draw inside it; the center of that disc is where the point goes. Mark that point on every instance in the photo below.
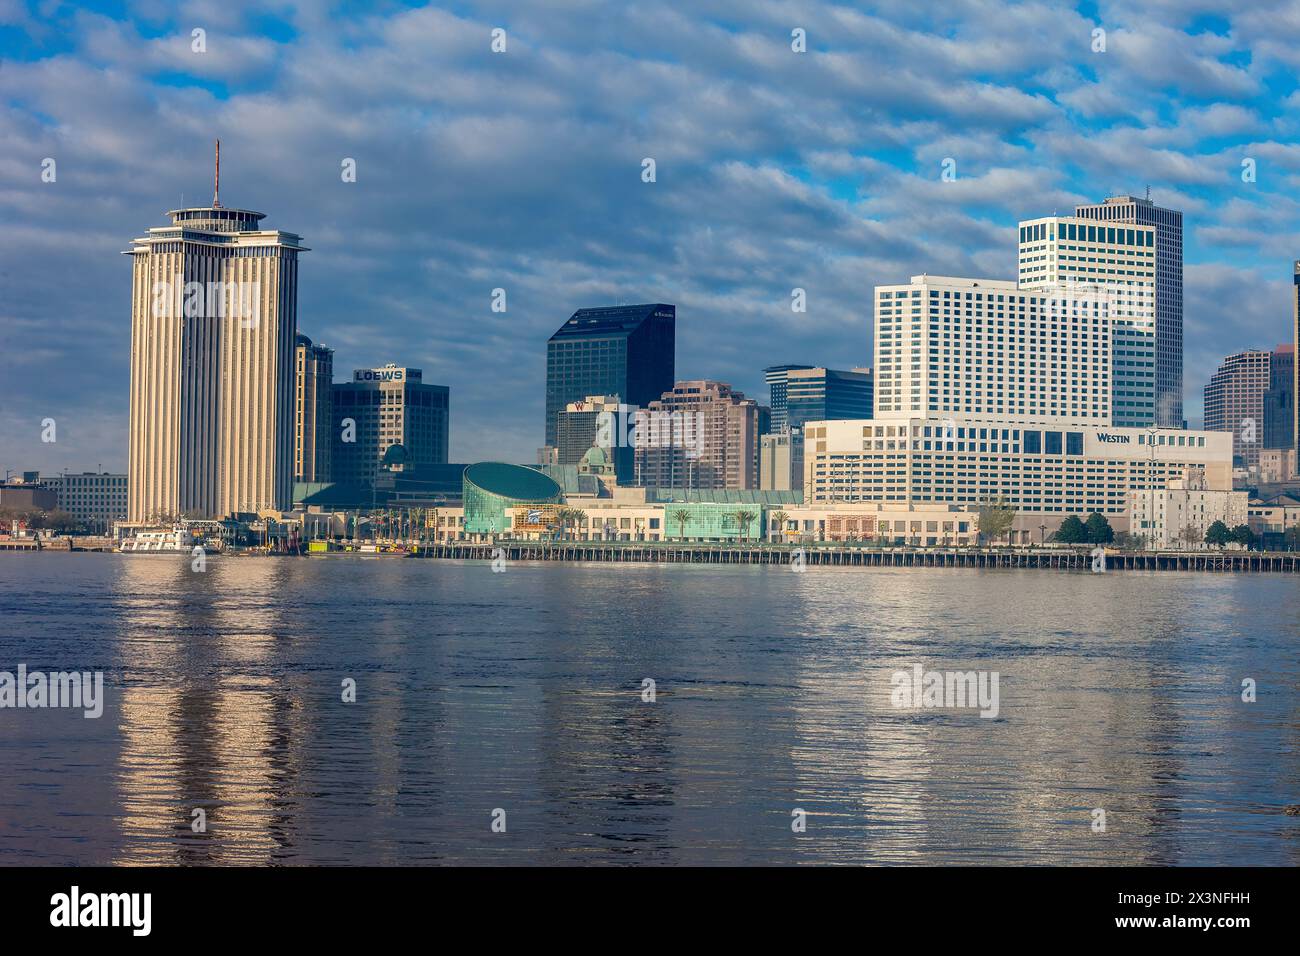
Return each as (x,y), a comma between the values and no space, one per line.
(520,697)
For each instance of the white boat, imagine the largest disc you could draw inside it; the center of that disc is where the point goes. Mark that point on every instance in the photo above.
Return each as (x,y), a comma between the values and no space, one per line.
(175,541)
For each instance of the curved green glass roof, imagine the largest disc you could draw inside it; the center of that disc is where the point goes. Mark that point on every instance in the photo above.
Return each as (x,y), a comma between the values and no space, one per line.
(511,481)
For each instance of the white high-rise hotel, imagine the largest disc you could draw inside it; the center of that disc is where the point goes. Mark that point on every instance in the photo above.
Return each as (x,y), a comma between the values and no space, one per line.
(213,326)
(1039,392)
(1120,260)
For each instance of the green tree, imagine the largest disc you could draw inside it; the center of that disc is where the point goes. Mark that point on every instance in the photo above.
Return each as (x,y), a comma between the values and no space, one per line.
(578,517)
(1071,531)
(1243,536)
(1190,535)
(744,519)
(779,518)
(681,516)
(1217,535)
(996,519)
(1291,537)
(1097,530)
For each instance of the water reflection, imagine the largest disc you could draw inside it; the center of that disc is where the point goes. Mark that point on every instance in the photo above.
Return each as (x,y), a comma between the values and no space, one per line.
(523,692)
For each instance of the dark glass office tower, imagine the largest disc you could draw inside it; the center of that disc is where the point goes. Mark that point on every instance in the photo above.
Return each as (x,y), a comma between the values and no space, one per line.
(1169,293)
(826,394)
(1279,400)
(1295,365)
(776,377)
(625,350)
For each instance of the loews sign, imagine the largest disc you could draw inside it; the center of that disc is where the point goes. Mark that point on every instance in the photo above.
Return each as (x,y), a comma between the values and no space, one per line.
(379,375)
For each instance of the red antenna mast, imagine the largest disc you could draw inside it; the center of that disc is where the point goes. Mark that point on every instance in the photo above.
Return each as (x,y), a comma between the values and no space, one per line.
(216,180)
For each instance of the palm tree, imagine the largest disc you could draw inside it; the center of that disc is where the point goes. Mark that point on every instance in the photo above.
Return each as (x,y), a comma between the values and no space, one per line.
(744,519)
(576,516)
(779,518)
(681,516)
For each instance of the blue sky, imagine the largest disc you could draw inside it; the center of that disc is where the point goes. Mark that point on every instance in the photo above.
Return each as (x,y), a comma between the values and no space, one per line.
(521,170)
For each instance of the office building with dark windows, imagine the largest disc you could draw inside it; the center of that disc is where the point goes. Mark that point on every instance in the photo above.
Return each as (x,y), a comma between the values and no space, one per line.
(627,351)
(1295,376)
(313,409)
(776,377)
(381,408)
(1279,400)
(818,394)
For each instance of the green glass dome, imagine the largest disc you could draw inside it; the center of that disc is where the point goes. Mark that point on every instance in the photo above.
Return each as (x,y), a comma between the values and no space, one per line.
(491,488)
(511,481)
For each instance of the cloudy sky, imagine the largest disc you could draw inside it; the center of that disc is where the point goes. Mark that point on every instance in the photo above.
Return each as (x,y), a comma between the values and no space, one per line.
(522,170)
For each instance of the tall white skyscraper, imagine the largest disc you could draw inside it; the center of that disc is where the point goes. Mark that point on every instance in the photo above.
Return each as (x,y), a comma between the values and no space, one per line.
(213,325)
(1168,224)
(1121,259)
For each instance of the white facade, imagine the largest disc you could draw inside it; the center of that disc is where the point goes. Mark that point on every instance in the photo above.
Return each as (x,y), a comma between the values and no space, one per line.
(1121,260)
(213,325)
(1178,517)
(1050,469)
(990,390)
(979,347)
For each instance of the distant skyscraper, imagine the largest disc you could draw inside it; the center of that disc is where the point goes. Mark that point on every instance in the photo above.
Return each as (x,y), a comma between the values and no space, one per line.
(313,411)
(699,434)
(1168,224)
(1295,380)
(626,351)
(776,377)
(821,394)
(388,406)
(1234,402)
(213,323)
(1279,400)
(1068,252)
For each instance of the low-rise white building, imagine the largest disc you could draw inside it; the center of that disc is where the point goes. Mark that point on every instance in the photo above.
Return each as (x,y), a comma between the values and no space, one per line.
(1179,516)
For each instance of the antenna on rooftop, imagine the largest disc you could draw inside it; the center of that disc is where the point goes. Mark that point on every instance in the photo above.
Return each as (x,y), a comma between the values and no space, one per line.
(1148,192)
(216,180)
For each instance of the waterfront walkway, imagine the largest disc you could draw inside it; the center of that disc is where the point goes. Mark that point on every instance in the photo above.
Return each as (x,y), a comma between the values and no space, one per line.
(826,555)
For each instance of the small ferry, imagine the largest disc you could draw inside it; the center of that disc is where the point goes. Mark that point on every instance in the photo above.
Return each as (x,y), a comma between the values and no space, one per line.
(175,541)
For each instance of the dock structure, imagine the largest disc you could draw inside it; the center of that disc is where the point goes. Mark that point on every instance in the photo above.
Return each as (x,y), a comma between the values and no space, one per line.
(21,544)
(830,556)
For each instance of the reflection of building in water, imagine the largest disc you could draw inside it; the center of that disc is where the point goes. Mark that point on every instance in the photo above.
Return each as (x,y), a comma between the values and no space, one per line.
(194,734)
(212,718)
(1078,728)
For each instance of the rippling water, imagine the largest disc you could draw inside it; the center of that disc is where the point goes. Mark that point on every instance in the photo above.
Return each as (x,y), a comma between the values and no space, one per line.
(522,691)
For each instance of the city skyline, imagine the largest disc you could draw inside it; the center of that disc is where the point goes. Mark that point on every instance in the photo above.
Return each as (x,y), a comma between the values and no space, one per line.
(725,233)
